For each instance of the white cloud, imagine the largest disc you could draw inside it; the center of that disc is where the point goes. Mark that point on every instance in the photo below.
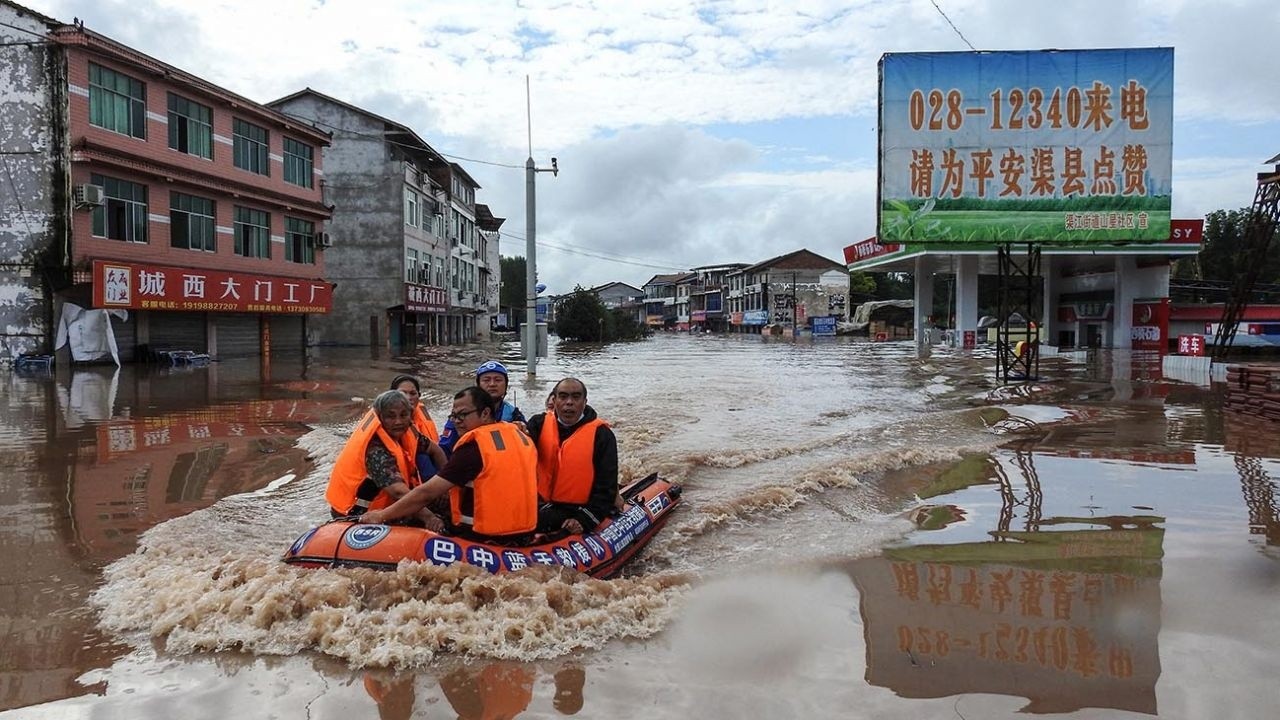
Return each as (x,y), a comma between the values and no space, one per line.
(639,100)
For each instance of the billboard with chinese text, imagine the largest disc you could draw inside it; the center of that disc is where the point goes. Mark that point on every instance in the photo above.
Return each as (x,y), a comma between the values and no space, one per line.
(1057,146)
(133,286)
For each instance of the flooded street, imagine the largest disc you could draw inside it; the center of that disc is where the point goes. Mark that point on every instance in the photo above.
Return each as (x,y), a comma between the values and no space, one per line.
(864,535)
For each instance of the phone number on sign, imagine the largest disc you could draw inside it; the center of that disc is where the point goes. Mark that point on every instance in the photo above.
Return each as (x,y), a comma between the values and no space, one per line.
(1090,108)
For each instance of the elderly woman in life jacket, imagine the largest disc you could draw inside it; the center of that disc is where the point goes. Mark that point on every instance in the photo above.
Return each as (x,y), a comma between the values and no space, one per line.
(378,465)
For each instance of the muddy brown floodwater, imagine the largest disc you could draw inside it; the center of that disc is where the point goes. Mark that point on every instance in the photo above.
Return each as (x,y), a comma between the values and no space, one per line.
(864,535)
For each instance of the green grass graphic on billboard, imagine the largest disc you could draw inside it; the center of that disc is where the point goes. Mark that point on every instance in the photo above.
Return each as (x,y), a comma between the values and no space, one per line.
(1068,147)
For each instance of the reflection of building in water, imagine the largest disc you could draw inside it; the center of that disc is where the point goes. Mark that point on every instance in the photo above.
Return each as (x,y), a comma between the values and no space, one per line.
(1260,497)
(92,457)
(1141,435)
(1067,619)
(139,448)
(130,474)
(1249,440)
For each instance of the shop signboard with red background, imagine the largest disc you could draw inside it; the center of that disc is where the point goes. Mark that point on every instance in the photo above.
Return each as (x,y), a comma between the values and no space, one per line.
(1191,345)
(421,298)
(868,249)
(1186,232)
(133,286)
(1150,329)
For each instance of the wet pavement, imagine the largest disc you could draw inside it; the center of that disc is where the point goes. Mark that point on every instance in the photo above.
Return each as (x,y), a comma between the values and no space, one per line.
(864,532)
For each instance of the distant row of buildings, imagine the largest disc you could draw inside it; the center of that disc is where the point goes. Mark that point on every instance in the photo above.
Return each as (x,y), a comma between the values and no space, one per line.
(219,224)
(797,290)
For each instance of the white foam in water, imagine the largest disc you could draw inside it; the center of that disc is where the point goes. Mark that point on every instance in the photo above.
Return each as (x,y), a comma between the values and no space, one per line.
(275,485)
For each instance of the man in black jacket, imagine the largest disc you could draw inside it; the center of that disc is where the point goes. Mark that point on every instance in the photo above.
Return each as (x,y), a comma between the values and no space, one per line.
(577,462)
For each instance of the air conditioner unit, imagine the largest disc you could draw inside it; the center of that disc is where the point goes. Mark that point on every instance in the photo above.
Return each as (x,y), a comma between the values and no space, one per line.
(90,195)
(321,240)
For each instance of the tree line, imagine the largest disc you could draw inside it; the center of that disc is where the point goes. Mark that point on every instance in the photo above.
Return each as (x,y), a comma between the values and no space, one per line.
(580,316)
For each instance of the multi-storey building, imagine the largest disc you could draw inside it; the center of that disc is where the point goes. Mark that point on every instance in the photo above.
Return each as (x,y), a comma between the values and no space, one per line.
(407,257)
(624,297)
(468,253)
(34,203)
(685,287)
(660,300)
(195,209)
(708,306)
(491,267)
(785,290)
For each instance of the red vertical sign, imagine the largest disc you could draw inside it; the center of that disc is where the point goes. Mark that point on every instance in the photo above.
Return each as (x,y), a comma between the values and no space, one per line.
(1150,329)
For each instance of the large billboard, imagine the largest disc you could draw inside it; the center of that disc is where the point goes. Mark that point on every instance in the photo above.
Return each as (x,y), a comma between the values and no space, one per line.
(1055,146)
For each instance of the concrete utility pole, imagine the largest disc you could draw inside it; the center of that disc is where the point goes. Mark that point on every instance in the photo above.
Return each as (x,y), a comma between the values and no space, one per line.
(530,229)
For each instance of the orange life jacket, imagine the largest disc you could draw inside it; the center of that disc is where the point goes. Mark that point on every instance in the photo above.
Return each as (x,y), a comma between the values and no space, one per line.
(566,473)
(349,471)
(425,425)
(505,493)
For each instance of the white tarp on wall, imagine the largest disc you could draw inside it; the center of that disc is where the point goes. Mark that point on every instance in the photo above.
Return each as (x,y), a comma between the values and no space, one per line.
(88,332)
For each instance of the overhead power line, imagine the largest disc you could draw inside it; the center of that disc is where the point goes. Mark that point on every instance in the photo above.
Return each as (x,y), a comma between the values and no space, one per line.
(953,25)
(599,254)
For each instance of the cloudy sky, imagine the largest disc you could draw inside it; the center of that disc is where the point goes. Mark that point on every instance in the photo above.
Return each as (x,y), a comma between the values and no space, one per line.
(692,132)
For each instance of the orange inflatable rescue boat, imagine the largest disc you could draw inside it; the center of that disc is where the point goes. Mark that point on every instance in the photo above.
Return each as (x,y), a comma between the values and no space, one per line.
(600,553)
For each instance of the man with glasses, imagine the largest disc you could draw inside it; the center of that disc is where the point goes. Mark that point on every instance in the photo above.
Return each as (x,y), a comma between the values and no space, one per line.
(577,461)
(491,478)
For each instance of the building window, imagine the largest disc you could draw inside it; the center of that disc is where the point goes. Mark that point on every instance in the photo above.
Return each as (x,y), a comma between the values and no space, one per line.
(190,127)
(453,276)
(124,214)
(250,145)
(117,102)
(410,207)
(410,265)
(298,163)
(191,222)
(439,272)
(253,233)
(299,241)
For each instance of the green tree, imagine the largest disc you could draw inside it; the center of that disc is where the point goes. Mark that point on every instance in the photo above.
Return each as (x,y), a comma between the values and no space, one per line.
(862,287)
(512,293)
(894,286)
(580,316)
(1222,256)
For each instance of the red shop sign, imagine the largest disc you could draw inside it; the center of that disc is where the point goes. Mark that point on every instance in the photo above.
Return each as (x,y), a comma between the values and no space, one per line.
(421,298)
(154,287)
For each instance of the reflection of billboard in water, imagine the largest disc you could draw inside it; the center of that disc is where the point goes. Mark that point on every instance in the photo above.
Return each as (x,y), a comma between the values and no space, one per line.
(1067,619)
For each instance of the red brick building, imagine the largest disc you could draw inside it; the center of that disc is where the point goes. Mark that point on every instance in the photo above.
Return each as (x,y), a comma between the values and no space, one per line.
(195,209)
